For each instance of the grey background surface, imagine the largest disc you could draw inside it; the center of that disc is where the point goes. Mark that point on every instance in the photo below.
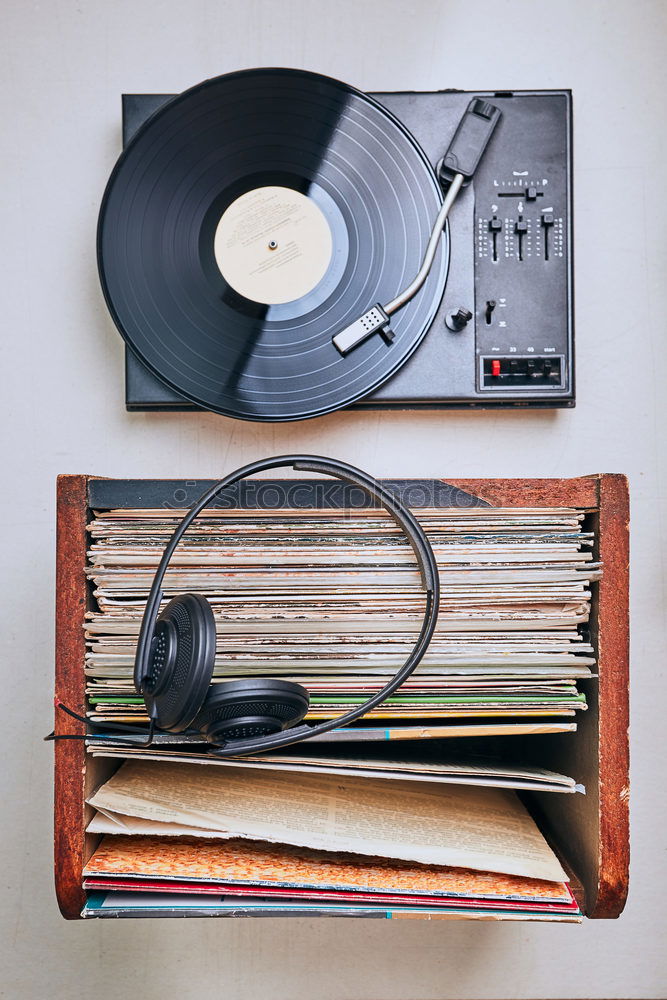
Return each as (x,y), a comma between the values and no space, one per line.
(64,65)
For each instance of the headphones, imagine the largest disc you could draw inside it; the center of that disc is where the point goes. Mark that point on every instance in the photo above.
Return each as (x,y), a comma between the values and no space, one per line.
(175,655)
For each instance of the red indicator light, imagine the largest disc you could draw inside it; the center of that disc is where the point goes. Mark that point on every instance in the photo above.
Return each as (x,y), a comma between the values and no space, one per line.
(495,367)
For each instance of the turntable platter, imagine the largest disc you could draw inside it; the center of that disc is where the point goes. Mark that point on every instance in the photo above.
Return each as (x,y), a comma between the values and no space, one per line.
(252,218)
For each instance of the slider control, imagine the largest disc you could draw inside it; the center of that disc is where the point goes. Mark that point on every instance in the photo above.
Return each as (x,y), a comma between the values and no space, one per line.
(495,227)
(547,221)
(521,228)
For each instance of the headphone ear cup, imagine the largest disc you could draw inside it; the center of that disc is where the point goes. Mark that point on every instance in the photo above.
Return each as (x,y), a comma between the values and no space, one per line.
(248,709)
(181,660)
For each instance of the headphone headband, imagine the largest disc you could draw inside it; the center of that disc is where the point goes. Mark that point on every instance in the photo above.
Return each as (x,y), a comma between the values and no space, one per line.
(400,514)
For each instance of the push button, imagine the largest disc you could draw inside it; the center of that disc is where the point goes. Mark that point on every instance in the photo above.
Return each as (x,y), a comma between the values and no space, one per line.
(522,372)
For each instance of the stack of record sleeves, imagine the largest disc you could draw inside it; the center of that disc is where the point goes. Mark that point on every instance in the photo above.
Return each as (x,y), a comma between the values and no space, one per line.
(331,599)
(391,817)
(154,876)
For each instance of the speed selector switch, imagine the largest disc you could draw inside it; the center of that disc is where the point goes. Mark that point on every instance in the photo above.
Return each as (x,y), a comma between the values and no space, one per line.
(522,371)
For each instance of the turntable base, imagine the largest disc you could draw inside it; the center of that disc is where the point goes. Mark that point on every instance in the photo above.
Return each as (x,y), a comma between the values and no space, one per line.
(531,324)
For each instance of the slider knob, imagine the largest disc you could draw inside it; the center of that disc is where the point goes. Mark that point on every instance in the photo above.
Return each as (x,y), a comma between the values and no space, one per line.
(457,320)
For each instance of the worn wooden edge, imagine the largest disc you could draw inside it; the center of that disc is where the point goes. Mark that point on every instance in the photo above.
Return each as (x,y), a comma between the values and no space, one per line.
(578,492)
(614,708)
(69,766)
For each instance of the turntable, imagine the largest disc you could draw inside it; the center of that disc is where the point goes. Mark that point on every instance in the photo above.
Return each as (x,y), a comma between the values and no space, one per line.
(274,245)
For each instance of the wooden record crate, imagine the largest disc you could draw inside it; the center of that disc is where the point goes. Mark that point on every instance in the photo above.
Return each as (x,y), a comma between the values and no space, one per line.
(590,833)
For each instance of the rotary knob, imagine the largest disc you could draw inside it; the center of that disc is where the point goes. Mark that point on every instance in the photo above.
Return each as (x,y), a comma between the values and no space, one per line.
(457,319)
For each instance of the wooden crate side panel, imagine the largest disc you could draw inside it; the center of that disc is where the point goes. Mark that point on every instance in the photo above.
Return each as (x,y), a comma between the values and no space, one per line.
(593,831)
(69,772)
(572,822)
(614,710)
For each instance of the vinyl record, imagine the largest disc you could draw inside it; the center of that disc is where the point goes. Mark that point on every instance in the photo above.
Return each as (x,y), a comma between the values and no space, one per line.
(250,220)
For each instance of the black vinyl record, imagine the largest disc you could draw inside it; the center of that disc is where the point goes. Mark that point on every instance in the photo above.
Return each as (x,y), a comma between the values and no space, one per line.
(251,219)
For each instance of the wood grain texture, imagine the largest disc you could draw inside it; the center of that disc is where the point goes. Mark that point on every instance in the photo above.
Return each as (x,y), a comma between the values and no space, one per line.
(581,492)
(614,711)
(69,777)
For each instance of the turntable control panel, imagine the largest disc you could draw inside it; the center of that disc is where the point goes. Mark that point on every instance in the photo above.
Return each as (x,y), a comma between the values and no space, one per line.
(522,292)
(510,264)
(503,332)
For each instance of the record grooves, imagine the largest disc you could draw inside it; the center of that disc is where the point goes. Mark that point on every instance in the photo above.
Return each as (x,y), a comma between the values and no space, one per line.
(266,183)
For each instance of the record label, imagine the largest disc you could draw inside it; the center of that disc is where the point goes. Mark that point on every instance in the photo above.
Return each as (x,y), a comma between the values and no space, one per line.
(273,245)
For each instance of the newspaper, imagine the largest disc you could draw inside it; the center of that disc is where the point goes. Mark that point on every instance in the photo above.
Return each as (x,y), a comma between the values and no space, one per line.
(484,829)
